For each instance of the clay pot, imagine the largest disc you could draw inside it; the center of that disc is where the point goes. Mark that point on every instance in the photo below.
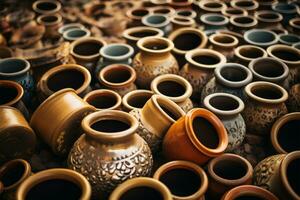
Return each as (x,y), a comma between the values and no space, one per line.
(135,16)
(199,134)
(260,37)
(43,7)
(106,135)
(184,179)
(248,5)
(186,12)
(75,34)
(211,6)
(200,68)
(288,39)
(52,23)
(17,138)
(154,59)
(181,3)
(228,108)
(287,10)
(141,188)
(278,30)
(293,103)
(296,45)
(226,172)
(157,108)
(182,22)
(136,99)
(55,184)
(12,174)
(295,25)
(213,21)
(266,5)
(224,43)
(69,26)
(186,39)
(5,52)
(239,36)
(163,10)
(160,21)
(283,179)
(244,54)
(264,106)
(64,128)
(230,12)
(241,24)
(268,19)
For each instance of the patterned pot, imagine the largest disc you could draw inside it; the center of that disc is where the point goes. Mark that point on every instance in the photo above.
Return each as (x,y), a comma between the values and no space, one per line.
(293,103)
(136,99)
(160,21)
(244,54)
(248,5)
(241,24)
(135,16)
(99,153)
(46,6)
(261,37)
(51,22)
(268,19)
(224,43)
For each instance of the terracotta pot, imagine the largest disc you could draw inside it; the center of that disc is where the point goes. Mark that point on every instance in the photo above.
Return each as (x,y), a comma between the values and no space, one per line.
(224,43)
(141,188)
(157,108)
(249,192)
(260,37)
(226,172)
(181,3)
(163,10)
(5,52)
(239,36)
(288,39)
(52,23)
(200,68)
(182,22)
(12,174)
(283,179)
(214,6)
(246,53)
(288,11)
(106,135)
(184,179)
(136,99)
(55,184)
(293,103)
(46,6)
(241,24)
(75,34)
(69,26)
(17,138)
(264,106)
(230,12)
(65,123)
(185,135)
(295,25)
(213,21)
(186,12)
(135,16)
(186,39)
(154,59)
(248,5)
(160,21)
(228,108)
(268,19)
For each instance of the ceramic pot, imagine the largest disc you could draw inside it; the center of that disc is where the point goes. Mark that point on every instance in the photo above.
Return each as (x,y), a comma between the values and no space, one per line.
(213,21)
(182,22)
(5,52)
(3,41)
(46,7)
(17,138)
(12,174)
(69,26)
(75,34)
(230,12)
(260,37)
(154,59)
(228,108)
(200,68)
(186,12)
(55,184)
(244,54)
(288,39)
(248,5)
(52,23)
(293,103)
(135,16)
(118,77)
(287,10)
(295,25)
(278,30)
(268,19)
(159,21)
(157,108)
(224,43)
(141,188)
(186,39)
(214,6)
(266,5)
(226,172)
(296,45)
(181,3)
(241,24)
(184,179)
(283,179)
(99,153)
(239,36)
(199,134)
(136,99)
(163,10)
(229,78)
(265,104)
(65,123)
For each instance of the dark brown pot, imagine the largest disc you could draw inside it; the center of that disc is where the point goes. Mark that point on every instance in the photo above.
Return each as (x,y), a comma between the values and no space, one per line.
(293,103)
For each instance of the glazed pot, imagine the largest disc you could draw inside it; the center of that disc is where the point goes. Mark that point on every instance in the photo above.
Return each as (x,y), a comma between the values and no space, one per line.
(135,16)
(241,24)
(182,22)
(200,68)
(52,23)
(17,138)
(5,52)
(186,12)
(46,6)
(244,54)
(159,21)
(283,179)
(224,43)
(136,99)
(154,59)
(288,39)
(118,77)
(211,6)
(106,135)
(175,88)
(157,108)
(268,19)
(164,10)
(265,104)
(228,108)
(55,184)
(213,21)
(293,103)
(141,188)
(229,78)
(287,10)
(12,174)
(230,12)
(200,136)
(248,5)
(186,39)
(69,26)
(260,37)
(65,123)
(75,34)
(184,179)
(295,25)
(226,172)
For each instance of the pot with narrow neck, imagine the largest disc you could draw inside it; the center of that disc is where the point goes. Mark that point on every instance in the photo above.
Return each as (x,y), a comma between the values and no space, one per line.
(224,44)
(241,24)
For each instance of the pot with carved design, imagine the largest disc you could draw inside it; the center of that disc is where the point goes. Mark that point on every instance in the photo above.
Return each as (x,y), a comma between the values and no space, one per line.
(99,153)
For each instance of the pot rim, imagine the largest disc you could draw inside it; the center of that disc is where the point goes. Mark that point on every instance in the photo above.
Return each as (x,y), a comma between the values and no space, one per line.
(238,49)
(181,4)
(283,47)
(130,14)
(162,24)
(40,19)
(36,9)
(224,12)
(61,30)
(180,164)
(170,9)
(290,11)
(189,22)
(202,5)
(169,43)
(193,14)
(203,18)
(116,58)
(127,32)
(280,36)
(224,45)
(82,41)
(70,38)
(293,24)
(264,44)
(258,14)
(246,25)
(254,5)
(26,68)
(134,93)
(297,45)
(15,85)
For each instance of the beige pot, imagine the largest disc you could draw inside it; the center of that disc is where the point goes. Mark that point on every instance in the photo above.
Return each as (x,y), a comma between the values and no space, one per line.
(136,99)
(246,53)
(224,43)
(46,6)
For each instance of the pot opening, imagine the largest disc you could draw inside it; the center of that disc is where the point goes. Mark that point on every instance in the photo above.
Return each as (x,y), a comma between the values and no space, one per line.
(110,125)
(290,38)
(156,45)
(293,175)
(174,114)
(118,75)
(142,192)
(249,197)
(184,13)
(140,12)
(57,189)
(268,16)
(286,55)
(251,52)
(285,7)
(7,94)
(224,103)
(12,174)
(206,59)
(139,101)
(155,19)
(261,37)
(47,6)
(243,20)
(268,68)
(103,101)
(230,169)
(181,182)
(223,39)
(171,88)
(205,132)
(296,22)
(215,18)
(234,74)
(267,92)
(162,11)
(187,41)
(213,5)
(87,48)
(143,33)
(288,137)
(116,50)
(244,4)
(234,11)
(12,66)
(49,19)
(76,33)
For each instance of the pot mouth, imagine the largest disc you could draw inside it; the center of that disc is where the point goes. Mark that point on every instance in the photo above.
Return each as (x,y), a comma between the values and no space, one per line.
(284,53)
(156,20)
(223,40)
(71,181)
(212,6)
(214,19)
(244,4)
(185,12)
(86,48)
(176,175)
(183,21)
(286,8)
(163,10)
(117,51)
(234,12)
(138,13)
(205,58)
(250,52)
(136,99)
(156,45)
(139,32)
(297,45)
(260,37)
(268,16)
(13,67)
(46,6)
(288,39)
(67,27)
(243,21)
(76,33)
(278,30)
(295,23)
(10,93)
(223,104)
(266,92)
(49,20)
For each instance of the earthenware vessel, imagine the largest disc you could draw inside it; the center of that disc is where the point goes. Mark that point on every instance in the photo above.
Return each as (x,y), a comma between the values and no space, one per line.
(154,59)
(213,6)
(296,45)
(157,108)
(184,179)
(199,134)
(55,184)
(293,103)
(241,24)
(288,39)
(214,21)
(294,25)
(64,128)
(224,43)
(136,99)
(17,138)
(268,19)
(283,179)
(248,5)
(181,3)
(264,105)
(287,10)
(160,21)
(226,172)
(46,6)
(99,153)
(266,5)
(244,54)
(5,52)
(135,16)
(200,68)
(230,12)
(75,34)
(278,30)
(12,174)
(186,12)
(164,10)
(69,26)
(182,22)
(141,188)
(52,23)
(261,37)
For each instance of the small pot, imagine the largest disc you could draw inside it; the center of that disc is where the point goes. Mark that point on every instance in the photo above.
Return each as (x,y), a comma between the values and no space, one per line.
(224,44)
(288,39)
(248,5)
(164,10)
(69,26)
(186,12)
(230,12)
(48,7)
(239,36)
(181,3)
(75,34)
(211,6)
(135,16)
(52,23)
(246,53)
(287,10)
(295,25)
(213,21)
(159,21)
(260,37)
(293,103)
(241,24)
(182,22)
(268,19)
(5,52)
(136,99)
(185,180)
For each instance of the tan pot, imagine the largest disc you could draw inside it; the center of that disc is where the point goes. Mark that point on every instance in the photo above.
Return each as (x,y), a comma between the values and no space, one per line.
(214,6)
(186,12)
(293,103)
(246,53)
(241,23)
(52,23)
(164,10)
(182,22)
(248,5)
(224,43)
(268,19)
(46,6)
(181,3)
(136,99)
(135,16)
(230,12)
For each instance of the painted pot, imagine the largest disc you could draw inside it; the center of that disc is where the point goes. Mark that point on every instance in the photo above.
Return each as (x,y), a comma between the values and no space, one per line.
(213,21)
(52,23)
(288,39)
(268,19)
(135,16)
(160,21)
(288,11)
(46,6)
(241,24)
(293,103)
(136,99)
(224,43)
(248,5)
(244,54)
(75,34)
(260,37)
